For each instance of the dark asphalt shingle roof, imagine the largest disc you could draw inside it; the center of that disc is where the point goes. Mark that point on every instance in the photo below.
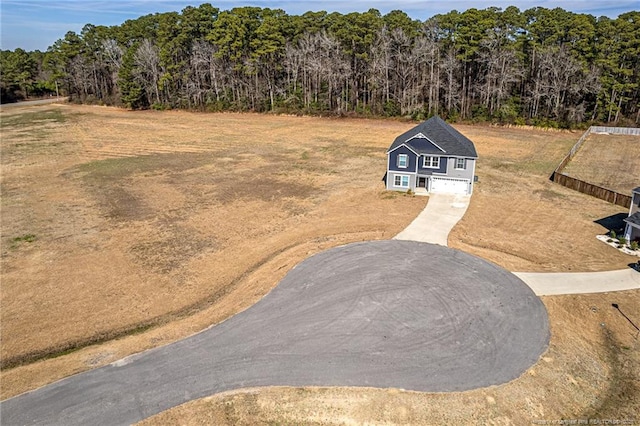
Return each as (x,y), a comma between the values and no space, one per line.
(636,190)
(634,219)
(440,133)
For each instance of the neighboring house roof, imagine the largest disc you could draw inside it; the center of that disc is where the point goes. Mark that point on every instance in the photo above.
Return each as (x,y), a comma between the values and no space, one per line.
(636,190)
(634,219)
(435,136)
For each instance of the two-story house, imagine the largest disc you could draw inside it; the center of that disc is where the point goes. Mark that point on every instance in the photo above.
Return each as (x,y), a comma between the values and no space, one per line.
(431,157)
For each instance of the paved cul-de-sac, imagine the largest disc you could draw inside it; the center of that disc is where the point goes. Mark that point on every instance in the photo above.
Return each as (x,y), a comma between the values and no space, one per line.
(394,313)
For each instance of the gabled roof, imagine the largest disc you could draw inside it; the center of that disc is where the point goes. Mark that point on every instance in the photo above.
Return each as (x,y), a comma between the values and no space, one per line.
(435,136)
(634,219)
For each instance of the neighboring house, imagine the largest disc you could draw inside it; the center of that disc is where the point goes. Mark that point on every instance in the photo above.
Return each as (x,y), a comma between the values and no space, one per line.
(632,230)
(431,157)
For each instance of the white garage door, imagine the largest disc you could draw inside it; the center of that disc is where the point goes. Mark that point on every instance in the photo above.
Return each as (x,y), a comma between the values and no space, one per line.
(449,185)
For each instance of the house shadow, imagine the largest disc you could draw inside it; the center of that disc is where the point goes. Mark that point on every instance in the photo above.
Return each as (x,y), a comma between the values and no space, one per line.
(616,223)
(613,223)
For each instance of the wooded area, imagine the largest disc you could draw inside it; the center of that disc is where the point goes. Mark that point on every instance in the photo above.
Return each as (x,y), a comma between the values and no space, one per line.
(541,66)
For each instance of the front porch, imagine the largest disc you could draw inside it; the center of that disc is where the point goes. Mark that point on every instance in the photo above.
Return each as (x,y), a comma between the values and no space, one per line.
(422,185)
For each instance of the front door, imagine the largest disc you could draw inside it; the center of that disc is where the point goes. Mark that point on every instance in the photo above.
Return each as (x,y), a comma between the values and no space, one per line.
(422,182)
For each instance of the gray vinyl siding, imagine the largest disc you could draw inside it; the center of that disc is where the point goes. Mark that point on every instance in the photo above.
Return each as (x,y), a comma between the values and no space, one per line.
(391,177)
(467,173)
(446,169)
(393,160)
(631,233)
(635,202)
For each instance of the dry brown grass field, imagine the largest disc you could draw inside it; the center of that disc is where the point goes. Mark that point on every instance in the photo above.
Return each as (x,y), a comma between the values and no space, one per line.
(612,161)
(123,231)
(521,220)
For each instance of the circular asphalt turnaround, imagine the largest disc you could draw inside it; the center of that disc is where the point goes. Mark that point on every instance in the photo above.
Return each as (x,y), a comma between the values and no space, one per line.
(383,314)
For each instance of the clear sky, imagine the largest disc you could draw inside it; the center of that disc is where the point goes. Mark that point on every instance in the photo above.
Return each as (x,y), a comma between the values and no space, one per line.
(37,24)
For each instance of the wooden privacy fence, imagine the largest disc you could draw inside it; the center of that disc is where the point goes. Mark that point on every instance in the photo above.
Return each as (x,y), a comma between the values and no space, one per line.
(593,190)
(586,187)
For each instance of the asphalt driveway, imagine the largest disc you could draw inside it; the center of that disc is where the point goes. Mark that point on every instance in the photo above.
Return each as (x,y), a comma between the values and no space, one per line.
(384,314)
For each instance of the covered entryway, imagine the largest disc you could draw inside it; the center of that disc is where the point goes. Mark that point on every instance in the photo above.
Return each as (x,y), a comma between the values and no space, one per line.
(449,185)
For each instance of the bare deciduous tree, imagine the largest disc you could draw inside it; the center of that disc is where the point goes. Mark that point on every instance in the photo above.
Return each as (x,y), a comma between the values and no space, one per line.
(148,68)
(450,67)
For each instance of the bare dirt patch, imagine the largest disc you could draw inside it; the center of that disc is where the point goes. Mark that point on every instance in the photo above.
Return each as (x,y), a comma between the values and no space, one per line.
(590,371)
(612,161)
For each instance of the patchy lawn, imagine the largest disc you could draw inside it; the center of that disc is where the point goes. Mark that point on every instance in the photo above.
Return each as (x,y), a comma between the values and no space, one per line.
(612,161)
(521,220)
(145,227)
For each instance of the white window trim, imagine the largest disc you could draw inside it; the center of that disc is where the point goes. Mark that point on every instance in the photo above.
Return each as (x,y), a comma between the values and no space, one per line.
(406,166)
(424,162)
(464,164)
(401,176)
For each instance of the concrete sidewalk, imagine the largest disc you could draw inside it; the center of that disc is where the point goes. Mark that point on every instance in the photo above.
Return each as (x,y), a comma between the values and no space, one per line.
(552,283)
(443,211)
(437,219)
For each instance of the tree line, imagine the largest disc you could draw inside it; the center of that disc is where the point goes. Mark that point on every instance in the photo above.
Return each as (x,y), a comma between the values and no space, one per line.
(539,66)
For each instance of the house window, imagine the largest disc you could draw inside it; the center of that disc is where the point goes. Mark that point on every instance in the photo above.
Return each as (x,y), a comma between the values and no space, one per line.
(401,181)
(431,162)
(460,164)
(403,161)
